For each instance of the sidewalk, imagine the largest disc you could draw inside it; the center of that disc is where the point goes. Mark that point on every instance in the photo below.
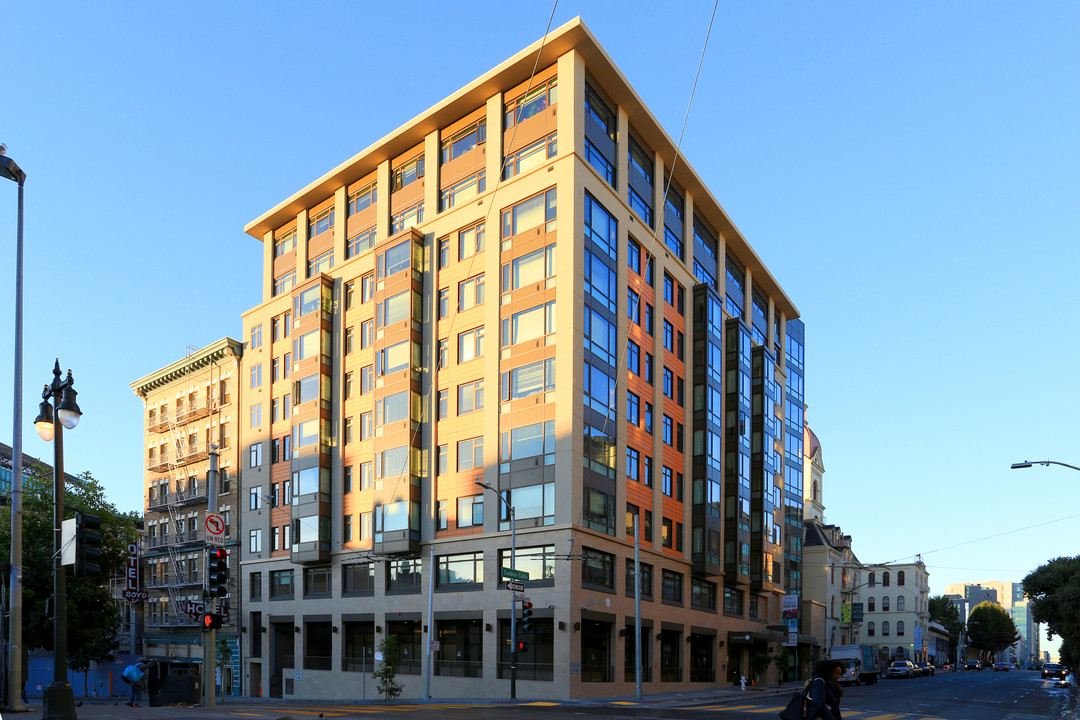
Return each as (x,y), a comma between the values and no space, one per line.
(92,708)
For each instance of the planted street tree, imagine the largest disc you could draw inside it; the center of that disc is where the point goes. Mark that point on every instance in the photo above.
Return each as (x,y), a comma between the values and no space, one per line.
(1054,593)
(990,630)
(759,663)
(387,672)
(944,611)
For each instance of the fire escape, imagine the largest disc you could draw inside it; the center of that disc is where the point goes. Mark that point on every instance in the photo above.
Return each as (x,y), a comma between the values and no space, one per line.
(179,489)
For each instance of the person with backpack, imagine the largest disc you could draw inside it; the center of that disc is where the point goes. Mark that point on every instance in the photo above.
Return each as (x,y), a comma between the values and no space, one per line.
(824,692)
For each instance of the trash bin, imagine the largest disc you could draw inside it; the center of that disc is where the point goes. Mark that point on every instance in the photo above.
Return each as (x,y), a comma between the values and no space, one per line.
(172,683)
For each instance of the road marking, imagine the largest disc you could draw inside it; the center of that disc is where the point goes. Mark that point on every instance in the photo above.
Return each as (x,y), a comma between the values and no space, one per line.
(778,708)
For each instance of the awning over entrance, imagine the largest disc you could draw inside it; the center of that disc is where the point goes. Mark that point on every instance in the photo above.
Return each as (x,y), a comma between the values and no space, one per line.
(753,636)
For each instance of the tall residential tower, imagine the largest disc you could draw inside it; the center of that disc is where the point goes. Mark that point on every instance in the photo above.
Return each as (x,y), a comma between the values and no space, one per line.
(525,286)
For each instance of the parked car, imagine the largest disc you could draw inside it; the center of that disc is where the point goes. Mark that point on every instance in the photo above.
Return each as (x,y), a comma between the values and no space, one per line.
(1054,670)
(972,665)
(1002,666)
(900,669)
(925,668)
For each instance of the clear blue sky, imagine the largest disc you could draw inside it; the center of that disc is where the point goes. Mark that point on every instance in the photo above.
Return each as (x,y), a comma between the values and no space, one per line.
(908,172)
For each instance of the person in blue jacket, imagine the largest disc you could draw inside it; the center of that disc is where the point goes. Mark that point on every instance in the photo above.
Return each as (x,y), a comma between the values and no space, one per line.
(825,692)
(138,684)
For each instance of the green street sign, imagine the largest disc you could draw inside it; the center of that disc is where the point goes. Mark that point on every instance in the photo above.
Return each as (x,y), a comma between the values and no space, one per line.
(510,574)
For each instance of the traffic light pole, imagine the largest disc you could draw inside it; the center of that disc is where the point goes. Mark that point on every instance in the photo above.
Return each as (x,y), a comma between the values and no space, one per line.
(210,604)
(513,607)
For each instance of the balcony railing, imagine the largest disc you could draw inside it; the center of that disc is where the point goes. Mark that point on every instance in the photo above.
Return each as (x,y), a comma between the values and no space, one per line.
(364,665)
(158,423)
(409,667)
(192,495)
(670,674)
(459,668)
(597,673)
(181,621)
(191,537)
(195,410)
(542,672)
(316,662)
(703,675)
(189,454)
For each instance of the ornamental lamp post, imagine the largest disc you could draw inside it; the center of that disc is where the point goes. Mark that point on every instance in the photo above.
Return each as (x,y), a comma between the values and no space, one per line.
(58,698)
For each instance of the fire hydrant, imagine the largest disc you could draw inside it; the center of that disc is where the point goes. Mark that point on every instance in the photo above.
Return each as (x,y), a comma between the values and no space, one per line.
(742,682)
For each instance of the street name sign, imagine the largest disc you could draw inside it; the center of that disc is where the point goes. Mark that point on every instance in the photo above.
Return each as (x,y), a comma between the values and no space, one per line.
(511,574)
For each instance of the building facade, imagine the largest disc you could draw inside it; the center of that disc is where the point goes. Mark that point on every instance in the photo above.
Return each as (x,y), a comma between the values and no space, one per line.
(521,287)
(896,610)
(1010,596)
(832,576)
(190,409)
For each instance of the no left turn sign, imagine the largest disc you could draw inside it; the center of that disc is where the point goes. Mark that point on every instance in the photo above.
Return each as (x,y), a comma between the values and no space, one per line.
(215,528)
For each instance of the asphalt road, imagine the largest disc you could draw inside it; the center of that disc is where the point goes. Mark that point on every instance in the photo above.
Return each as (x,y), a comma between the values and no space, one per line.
(982,695)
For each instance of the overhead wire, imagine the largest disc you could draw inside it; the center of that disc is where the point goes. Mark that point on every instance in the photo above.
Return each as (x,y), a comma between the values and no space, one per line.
(652,239)
(472,260)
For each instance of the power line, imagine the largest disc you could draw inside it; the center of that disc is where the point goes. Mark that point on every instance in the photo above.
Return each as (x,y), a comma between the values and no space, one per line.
(988,537)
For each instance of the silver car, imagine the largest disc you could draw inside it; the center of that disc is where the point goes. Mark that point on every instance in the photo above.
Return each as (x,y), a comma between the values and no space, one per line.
(900,669)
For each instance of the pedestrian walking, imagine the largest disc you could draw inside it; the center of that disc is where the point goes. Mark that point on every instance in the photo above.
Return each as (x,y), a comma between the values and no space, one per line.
(825,692)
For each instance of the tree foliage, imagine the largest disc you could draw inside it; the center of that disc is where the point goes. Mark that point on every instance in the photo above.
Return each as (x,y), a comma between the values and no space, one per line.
(945,612)
(1054,593)
(93,615)
(990,630)
(759,663)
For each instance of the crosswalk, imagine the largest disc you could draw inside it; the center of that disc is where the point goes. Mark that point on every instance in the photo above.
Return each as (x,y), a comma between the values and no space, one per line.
(773,710)
(765,710)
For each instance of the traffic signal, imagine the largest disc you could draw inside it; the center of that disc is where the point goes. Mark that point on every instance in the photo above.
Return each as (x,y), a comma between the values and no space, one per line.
(211,621)
(526,616)
(522,646)
(217,576)
(87,544)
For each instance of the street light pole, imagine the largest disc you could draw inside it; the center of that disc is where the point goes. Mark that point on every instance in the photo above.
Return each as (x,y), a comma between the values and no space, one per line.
(10,170)
(58,699)
(513,595)
(1029,463)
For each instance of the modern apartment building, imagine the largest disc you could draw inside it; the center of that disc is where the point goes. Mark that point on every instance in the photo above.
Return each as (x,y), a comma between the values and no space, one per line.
(524,286)
(190,410)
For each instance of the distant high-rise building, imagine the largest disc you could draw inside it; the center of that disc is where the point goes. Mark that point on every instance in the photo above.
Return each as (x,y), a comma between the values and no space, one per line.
(1010,596)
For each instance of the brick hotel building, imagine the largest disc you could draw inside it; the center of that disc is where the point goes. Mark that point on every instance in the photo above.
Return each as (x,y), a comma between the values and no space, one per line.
(519,287)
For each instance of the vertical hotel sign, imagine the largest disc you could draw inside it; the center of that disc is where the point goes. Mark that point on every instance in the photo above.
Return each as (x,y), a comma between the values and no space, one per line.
(790,608)
(131,576)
